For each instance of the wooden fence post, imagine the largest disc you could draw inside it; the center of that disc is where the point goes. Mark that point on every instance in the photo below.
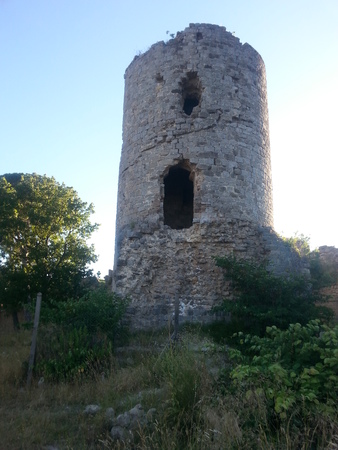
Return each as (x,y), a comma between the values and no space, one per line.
(33,345)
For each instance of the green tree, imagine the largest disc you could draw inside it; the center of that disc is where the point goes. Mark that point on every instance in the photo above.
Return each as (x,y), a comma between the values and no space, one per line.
(44,228)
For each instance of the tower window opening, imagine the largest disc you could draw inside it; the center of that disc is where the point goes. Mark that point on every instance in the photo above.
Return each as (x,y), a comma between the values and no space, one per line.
(178,204)
(189,104)
(191,90)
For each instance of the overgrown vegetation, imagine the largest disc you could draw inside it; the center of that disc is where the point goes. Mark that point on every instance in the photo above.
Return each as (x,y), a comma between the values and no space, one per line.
(77,336)
(322,273)
(273,384)
(274,392)
(263,299)
(299,243)
(294,374)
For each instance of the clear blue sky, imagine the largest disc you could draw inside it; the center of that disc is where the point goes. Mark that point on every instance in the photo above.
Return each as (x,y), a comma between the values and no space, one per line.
(61,96)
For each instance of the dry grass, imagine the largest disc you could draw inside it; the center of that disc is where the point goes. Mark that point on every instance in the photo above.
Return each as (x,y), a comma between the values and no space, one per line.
(52,414)
(192,419)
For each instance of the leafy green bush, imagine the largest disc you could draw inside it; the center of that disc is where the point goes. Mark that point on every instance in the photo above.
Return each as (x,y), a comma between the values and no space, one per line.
(299,364)
(294,372)
(77,336)
(99,311)
(72,355)
(263,299)
(287,384)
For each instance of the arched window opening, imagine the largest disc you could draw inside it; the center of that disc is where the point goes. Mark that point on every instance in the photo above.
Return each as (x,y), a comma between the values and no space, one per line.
(191,90)
(178,204)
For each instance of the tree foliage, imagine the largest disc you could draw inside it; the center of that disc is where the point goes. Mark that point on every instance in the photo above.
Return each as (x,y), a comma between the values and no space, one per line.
(44,228)
(263,299)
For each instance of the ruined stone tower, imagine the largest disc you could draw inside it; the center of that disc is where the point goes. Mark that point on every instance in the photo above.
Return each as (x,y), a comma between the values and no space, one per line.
(195,178)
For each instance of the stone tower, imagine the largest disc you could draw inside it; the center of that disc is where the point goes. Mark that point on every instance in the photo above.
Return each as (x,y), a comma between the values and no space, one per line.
(195,178)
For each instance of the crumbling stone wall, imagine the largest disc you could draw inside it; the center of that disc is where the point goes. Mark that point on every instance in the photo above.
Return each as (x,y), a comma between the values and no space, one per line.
(195,177)
(329,258)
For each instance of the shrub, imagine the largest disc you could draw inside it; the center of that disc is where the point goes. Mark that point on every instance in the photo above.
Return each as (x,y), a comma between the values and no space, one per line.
(263,299)
(294,372)
(301,359)
(77,336)
(322,273)
(299,243)
(286,384)
(67,355)
(98,311)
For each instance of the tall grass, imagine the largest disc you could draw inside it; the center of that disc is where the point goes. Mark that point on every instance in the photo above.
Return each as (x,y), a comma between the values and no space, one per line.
(195,410)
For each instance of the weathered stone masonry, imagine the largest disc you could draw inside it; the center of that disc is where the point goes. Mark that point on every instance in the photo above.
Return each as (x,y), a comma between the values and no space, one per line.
(195,177)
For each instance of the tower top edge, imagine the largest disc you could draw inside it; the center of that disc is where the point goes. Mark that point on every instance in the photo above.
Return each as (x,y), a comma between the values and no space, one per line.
(206,31)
